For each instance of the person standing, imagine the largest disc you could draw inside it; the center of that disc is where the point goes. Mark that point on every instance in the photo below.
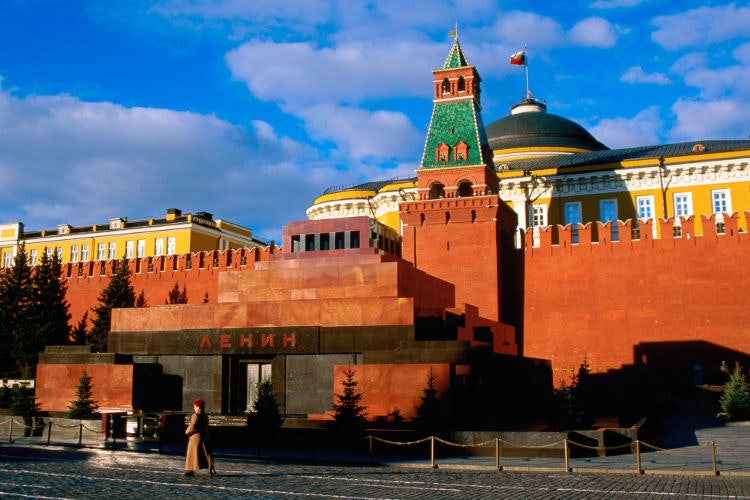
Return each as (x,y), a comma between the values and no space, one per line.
(198,454)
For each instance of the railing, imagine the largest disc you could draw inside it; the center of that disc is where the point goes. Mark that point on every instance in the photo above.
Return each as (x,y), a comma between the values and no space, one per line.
(566,455)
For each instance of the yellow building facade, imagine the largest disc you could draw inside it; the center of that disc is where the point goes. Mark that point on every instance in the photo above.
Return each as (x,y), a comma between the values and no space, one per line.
(174,234)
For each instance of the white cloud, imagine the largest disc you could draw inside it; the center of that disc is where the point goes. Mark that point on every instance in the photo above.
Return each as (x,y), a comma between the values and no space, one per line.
(594,32)
(362,134)
(640,130)
(701,27)
(696,120)
(63,160)
(528,28)
(636,74)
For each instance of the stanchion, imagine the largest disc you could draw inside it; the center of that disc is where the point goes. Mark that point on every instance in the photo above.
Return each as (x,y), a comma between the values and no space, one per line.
(432,453)
(10,432)
(80,434)
(567,456)
(49,433)
(638,456)
(497,454)
(370,438)
(713,457)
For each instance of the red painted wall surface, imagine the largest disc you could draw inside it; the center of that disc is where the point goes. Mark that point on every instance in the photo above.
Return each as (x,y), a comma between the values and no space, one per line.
(599,300)
(56,385)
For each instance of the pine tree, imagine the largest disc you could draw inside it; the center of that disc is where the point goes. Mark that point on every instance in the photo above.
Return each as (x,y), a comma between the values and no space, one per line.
(80,332)
(735,400)
(83,407)
(23,404)
(176,296)
(51,309)
(430,413)
(118,293)
(266,419)
(16,298)
(349,414)
(140,301)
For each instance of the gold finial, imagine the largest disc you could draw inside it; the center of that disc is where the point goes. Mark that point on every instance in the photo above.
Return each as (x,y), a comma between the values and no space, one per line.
(454,32)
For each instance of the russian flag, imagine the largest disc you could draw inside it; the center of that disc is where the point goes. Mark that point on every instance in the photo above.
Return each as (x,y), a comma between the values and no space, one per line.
(519,58)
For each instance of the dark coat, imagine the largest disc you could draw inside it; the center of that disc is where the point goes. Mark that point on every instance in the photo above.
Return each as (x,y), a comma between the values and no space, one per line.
(198,454)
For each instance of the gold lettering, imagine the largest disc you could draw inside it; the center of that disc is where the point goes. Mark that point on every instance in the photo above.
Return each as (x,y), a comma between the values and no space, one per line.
(266,340)
(246,340)
(205,342)
(290,340)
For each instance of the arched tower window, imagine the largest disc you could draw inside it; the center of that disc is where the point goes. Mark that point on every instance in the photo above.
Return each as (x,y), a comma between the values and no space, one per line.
(461,151)
(446,86)
(437,191)
(461,84)
(465,189)
(442,153)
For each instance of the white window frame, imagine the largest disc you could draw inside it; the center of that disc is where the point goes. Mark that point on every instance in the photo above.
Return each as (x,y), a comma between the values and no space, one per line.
(159,247)
(112,251)
(721,201)
(74,253)
(101,251)
(7,259)
(644,207)
(85,253)
(141,249)
(608,213)
(33,256)
(171,245)
(129,249)
(683,206)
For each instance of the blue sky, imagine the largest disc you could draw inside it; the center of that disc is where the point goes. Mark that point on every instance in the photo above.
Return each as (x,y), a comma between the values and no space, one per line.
(250,109)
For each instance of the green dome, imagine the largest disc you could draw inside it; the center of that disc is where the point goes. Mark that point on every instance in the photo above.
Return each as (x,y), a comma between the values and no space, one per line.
(529,125)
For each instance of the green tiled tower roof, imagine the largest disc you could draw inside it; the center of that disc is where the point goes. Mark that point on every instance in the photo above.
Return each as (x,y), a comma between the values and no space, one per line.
(456,118)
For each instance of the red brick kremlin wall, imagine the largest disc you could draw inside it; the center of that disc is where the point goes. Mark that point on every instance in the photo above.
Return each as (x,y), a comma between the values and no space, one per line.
(598,300)
(198,273)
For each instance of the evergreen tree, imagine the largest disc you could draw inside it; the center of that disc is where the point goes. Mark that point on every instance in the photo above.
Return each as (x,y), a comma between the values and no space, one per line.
(265,421)
(430,412)
(83,407)
(16,322)
(23,404)
(51,309)
(176,296)
(735,400)
(118,293)
(80,332)
(349,414)
(140,301)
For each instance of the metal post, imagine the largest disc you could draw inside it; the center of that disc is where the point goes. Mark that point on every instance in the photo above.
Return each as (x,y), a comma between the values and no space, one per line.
(713,457)
(432,453)
(638,455)
(497,454)
(567,456)
(80,433)
(370,437)
(49,432)
(10,431)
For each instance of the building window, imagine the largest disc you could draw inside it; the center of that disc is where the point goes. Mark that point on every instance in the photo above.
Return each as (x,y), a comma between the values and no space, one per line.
(645,207)
(112,253)
(256,373)
(721,203)
(171,244)
(683,205)
(49,253)
(608,213)
(538,215)
(446,86)
(129,250)
(7,259)
(58,252)
(159,247)
(33,256)
(437,191)
(74,253)
(572,215)
(100,251)
(465,189)
(141,249)
(84,253)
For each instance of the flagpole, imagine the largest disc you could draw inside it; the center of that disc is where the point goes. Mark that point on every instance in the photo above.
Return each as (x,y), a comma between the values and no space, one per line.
(526,55)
